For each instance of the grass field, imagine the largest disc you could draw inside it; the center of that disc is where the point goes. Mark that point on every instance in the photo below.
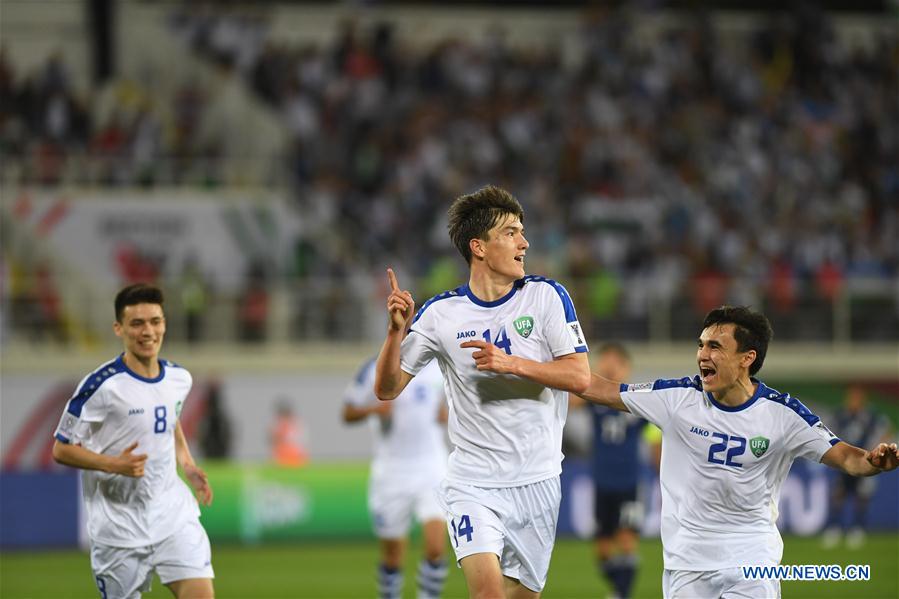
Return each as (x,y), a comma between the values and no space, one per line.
(346,570)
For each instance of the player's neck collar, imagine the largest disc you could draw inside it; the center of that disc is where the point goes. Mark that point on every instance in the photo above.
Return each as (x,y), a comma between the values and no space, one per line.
(466,289)
(121,361)
(746,404)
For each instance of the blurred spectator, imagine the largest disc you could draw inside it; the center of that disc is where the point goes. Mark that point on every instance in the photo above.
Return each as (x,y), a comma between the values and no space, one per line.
(253,306)
(288,437)
(781,136)
(194,299)
(215,428)
(858,425)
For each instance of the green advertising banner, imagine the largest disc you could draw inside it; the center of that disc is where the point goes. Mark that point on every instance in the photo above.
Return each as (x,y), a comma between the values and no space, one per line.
(257,503)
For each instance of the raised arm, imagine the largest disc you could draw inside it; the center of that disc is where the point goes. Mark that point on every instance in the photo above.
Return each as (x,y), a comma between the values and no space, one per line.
(390,379)
(569,373)
(126,463)
(195,475)
(858,462)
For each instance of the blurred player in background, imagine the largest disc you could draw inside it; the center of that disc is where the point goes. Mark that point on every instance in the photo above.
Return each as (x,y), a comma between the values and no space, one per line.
(121,427)
(861,426)
(409,463)
(728,444)
(501,494)
(616,455)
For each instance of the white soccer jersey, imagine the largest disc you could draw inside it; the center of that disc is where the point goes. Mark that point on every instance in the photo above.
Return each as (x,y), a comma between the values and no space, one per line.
(411,440)
(722,469)
(506,431)
(112,408)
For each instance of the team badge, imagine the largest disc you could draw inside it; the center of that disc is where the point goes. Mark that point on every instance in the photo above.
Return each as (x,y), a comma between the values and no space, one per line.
(524,325)
(758,446)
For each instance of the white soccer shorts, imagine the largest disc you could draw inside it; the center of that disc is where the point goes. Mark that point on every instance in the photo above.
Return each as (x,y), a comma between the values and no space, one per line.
(517,524)
(394,500)
(126,572)
(726,584)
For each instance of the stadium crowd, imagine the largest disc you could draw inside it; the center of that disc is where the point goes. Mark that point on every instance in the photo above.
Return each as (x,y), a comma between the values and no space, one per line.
(759,167)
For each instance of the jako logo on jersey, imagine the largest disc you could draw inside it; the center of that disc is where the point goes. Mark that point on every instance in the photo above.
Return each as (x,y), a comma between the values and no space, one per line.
(758,446)
(135,411)
(466,334)
(524,325)
(699,431)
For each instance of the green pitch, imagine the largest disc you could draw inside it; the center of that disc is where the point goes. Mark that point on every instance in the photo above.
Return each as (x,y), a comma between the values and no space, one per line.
(346,570)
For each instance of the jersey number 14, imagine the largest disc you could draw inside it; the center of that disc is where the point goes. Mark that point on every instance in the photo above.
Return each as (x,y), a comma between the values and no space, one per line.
(502,340)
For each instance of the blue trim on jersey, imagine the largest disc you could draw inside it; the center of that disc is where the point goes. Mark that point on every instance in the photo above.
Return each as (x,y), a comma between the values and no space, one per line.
(120,360)
(440,296)
(755,396)
(567,304)
(62,439)
(787,401)
(497,302)
(622,388)
(685,382)
(91,384)
(834,441)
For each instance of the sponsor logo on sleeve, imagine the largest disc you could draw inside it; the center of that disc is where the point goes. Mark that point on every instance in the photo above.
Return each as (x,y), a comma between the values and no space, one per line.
(575,330)
(67,426)
(639,387)
(824,431)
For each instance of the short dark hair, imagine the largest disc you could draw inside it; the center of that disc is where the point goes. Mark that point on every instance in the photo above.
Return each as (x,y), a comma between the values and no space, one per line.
(473,215)
(751,330)
(139,293)
(615,348)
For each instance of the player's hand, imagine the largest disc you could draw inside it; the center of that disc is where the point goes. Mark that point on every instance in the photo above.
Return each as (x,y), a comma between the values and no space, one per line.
(884,456)
(491,358)
(400,305)
(130,463)
(382,408)
(200,482)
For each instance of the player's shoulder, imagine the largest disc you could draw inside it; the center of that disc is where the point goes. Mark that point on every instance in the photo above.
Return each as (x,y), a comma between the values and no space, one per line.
(428,306)
(784,403)
(98,379)
(175,370)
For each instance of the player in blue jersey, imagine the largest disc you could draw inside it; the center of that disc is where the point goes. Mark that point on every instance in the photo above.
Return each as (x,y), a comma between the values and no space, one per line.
(856,424)
(121,429)
(501,493)
(409,462)
(728,442)
(617,441)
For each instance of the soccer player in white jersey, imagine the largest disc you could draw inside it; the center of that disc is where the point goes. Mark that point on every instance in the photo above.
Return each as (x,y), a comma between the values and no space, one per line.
(409,462)
(501,494)
(728,441)
(121,428)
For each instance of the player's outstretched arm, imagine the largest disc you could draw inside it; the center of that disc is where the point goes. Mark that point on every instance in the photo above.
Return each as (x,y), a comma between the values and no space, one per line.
(569,373)
(858,462)
(126,463)
(604,392)
(195,475)
(390,379)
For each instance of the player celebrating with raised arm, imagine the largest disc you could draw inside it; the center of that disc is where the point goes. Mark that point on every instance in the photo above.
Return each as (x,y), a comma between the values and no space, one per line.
(728,442)
(507,400)
(121,428)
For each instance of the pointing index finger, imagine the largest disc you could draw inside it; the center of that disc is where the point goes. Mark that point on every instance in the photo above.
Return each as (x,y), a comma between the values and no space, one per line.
(477,344)
(392,278)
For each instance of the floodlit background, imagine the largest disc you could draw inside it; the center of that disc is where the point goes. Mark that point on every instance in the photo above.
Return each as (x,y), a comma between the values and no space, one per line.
(265,162)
